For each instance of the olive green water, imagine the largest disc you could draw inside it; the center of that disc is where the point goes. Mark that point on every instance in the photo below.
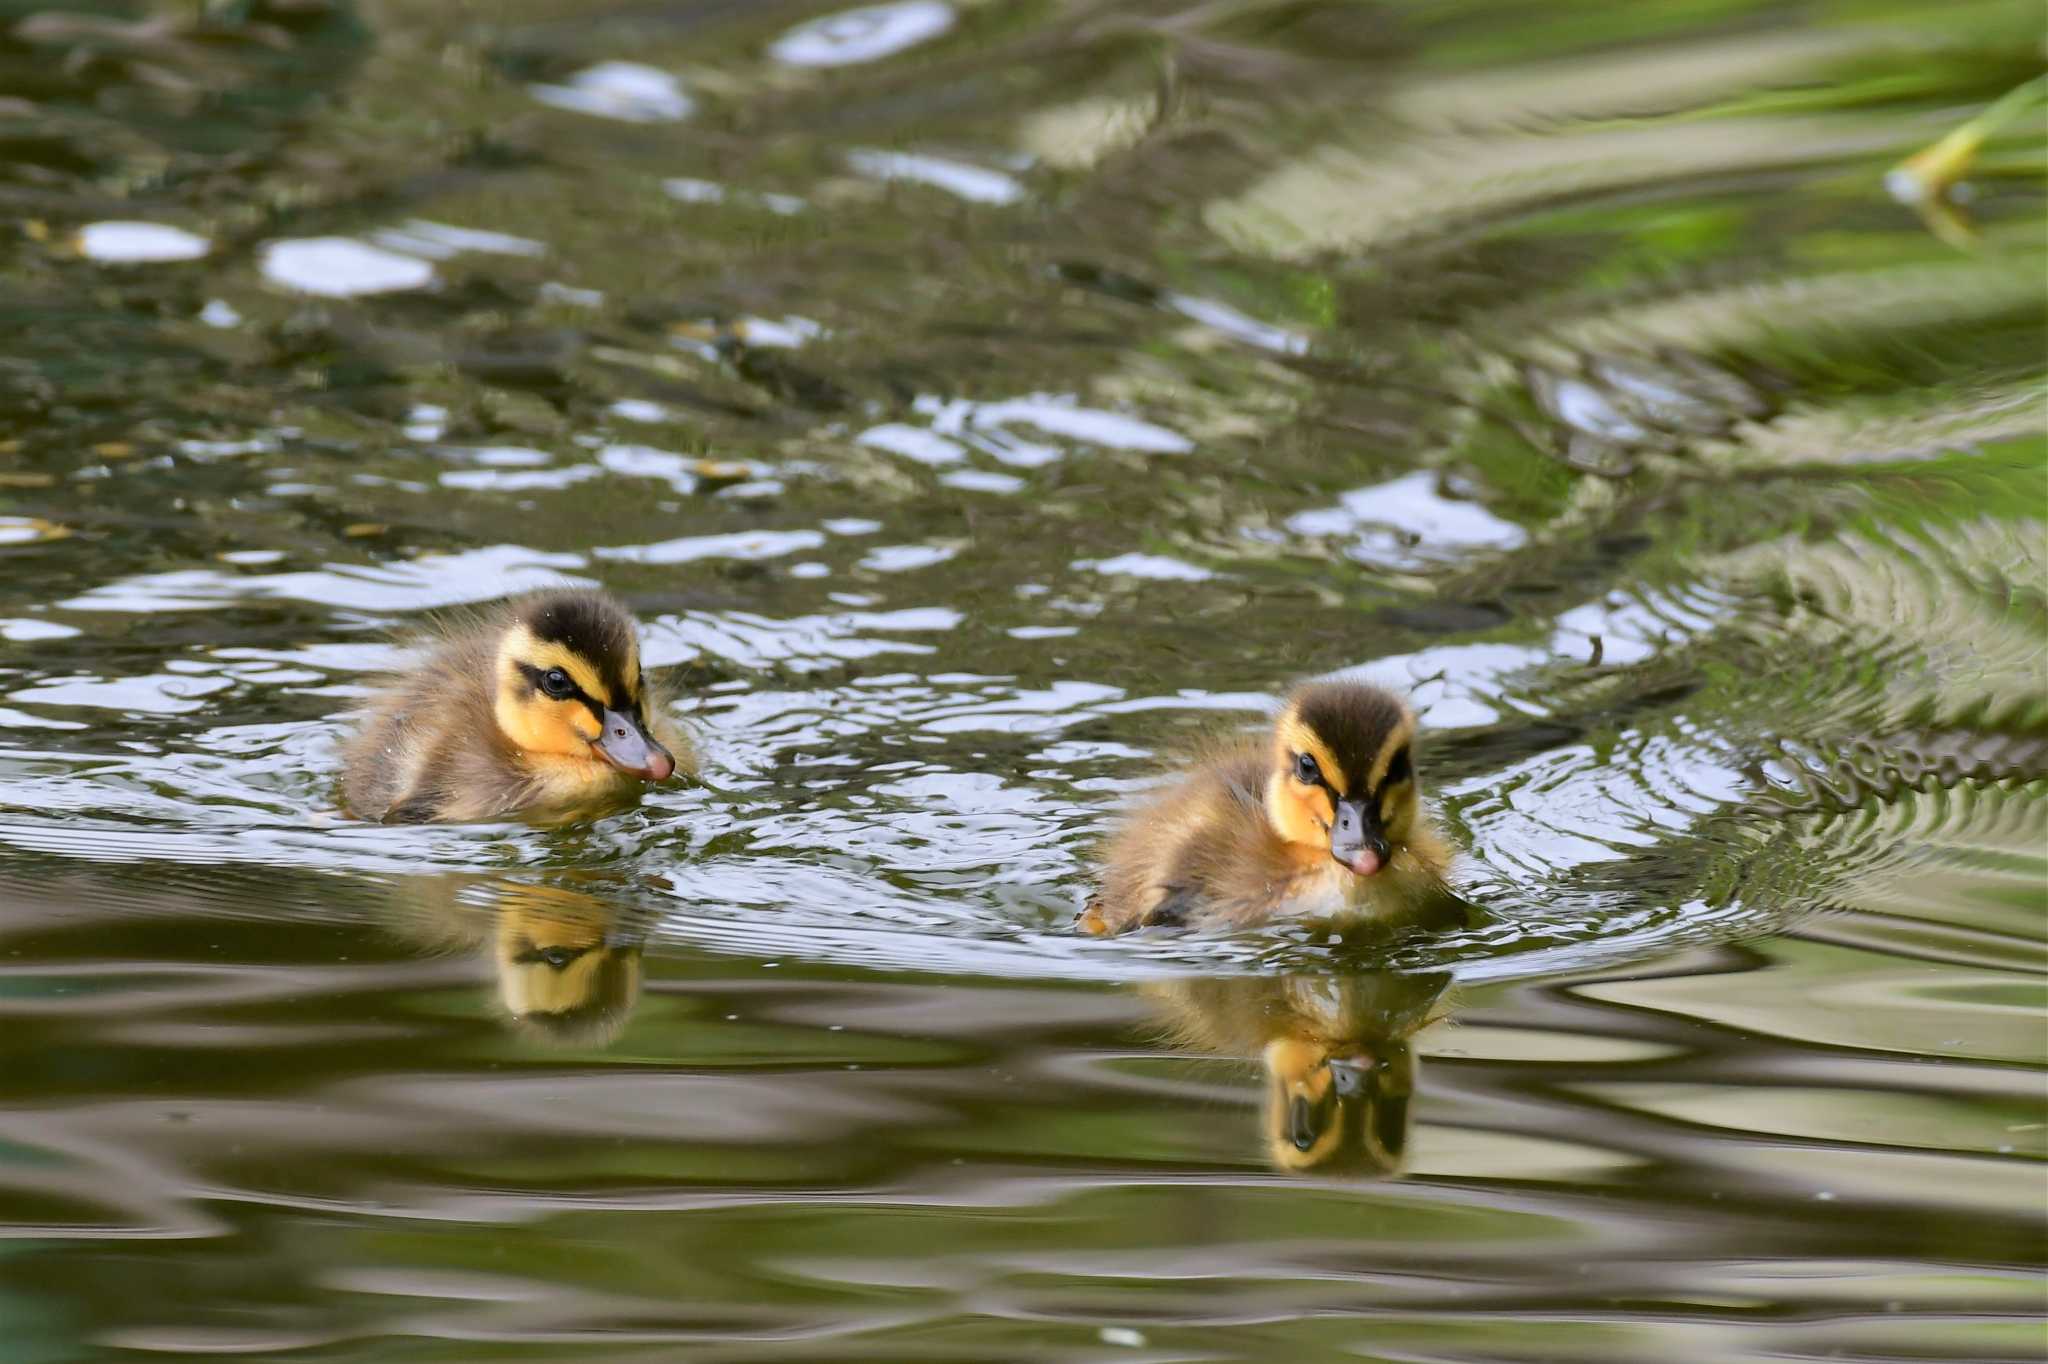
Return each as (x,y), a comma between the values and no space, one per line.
(977,402)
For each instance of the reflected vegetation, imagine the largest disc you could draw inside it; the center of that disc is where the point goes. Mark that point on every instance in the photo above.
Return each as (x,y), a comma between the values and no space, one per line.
(1930,180)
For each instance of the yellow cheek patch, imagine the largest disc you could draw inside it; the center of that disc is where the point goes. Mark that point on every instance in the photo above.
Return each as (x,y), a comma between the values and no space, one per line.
(1299,814)
(1296,737)
(1298,1061)
(540,725)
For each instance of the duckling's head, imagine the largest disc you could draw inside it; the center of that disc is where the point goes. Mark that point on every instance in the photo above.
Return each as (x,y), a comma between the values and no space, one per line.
(1342,780)
(570,686)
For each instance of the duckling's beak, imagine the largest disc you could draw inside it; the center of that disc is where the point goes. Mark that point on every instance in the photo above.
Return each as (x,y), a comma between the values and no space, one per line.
(1356,840)
(630,748)
(1350,1075)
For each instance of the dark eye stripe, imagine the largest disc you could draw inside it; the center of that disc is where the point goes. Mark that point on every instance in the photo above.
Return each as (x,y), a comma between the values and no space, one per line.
(1399,769)
(554,958)
(534,675)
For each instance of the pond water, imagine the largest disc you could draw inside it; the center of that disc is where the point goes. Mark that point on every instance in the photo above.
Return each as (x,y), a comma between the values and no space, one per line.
(979,402)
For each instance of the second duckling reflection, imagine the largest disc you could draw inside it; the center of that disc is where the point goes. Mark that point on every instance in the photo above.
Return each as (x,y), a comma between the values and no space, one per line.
(1339,1069)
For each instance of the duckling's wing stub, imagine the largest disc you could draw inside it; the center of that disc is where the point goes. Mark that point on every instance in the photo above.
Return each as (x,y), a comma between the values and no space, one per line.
(420,809)
(1172,910)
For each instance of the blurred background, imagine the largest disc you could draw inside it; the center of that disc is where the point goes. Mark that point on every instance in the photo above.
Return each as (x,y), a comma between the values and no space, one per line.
(979,401)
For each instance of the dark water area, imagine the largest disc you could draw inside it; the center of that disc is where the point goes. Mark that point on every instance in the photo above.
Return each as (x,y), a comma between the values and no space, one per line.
(979,404)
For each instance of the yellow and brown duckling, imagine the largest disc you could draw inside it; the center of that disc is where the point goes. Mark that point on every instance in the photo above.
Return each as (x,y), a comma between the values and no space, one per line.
(539,705)
(1318,820)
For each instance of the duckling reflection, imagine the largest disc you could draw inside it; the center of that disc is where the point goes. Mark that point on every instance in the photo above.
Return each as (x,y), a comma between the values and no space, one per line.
(567,963)
(567,970)
(1340,1073)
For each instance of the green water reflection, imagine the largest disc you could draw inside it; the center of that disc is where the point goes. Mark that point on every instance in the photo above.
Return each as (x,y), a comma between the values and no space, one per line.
(979,403)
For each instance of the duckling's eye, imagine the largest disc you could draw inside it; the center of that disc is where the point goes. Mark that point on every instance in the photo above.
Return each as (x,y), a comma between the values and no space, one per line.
(556,683)
(1305,769)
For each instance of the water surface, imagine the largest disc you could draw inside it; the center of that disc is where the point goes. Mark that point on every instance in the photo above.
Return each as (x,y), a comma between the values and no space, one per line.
(981,403)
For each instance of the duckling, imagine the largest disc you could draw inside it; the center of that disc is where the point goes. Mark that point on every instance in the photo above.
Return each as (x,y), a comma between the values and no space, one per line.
(1319,820)
(539,705)
(1340,1071)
